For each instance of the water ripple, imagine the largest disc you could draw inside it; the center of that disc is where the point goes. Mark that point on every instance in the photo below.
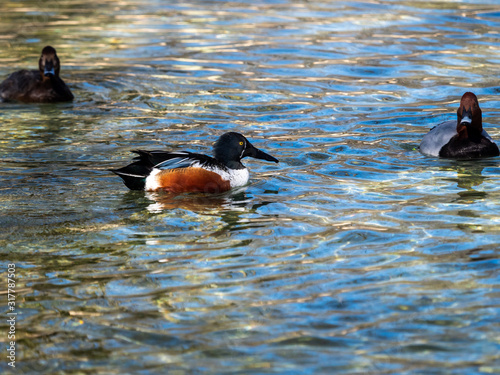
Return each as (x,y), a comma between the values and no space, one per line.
(355,247)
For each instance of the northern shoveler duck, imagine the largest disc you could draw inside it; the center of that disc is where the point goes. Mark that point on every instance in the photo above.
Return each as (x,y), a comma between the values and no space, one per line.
(182,172)
(464,138)
(37,86)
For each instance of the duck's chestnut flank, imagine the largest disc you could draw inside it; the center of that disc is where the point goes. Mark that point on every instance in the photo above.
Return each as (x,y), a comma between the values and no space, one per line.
(180,172)
(181,180)
(37,86)
(461,139)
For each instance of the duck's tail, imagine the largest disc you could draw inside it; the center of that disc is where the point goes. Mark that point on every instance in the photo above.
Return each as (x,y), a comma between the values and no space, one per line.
(134,175)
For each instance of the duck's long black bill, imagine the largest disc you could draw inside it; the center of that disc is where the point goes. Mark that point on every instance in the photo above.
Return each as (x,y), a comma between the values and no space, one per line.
(258,154)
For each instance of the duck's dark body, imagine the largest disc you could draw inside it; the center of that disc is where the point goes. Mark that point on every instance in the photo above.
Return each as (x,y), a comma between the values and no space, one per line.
(30,86)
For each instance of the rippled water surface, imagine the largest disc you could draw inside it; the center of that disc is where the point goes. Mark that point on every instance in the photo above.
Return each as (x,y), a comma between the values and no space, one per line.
(354,254)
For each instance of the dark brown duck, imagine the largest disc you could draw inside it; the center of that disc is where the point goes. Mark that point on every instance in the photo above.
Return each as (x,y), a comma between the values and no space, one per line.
(37,86)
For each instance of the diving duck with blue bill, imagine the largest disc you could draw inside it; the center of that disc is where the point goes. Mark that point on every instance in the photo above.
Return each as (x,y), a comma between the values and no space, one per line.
(37,86)
(464,138)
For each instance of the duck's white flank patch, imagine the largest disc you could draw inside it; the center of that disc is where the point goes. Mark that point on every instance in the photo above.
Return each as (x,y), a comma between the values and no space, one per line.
(152,183)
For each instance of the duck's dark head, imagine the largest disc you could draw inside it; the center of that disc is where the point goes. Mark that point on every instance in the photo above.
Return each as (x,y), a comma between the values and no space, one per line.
(49,62)
(469,117)
(231,147)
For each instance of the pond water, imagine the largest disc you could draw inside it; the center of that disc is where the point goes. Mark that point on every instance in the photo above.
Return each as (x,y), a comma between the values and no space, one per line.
(354,254)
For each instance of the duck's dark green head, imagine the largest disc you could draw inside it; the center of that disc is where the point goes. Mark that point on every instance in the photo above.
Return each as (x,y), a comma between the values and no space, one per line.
(231,147)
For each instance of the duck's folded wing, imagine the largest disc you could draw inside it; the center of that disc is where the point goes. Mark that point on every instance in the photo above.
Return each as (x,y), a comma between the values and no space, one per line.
(172,160)
(437,137)
(18,84)
(486,135)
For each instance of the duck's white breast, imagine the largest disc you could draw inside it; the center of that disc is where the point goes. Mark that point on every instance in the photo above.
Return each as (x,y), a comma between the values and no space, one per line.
(236,177)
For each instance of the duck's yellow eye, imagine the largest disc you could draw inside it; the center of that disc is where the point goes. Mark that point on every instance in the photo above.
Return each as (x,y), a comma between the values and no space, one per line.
(241,143)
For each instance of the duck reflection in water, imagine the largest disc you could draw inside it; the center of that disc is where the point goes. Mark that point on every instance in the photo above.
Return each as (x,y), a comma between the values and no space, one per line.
(237,200)
(232,207)
(469,176)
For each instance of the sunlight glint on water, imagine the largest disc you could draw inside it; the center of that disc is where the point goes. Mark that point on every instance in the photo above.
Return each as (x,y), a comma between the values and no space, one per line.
(354,254)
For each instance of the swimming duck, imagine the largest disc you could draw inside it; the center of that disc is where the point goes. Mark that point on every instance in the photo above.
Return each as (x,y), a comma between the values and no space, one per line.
(37,86)
(461,139)
(182,171)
